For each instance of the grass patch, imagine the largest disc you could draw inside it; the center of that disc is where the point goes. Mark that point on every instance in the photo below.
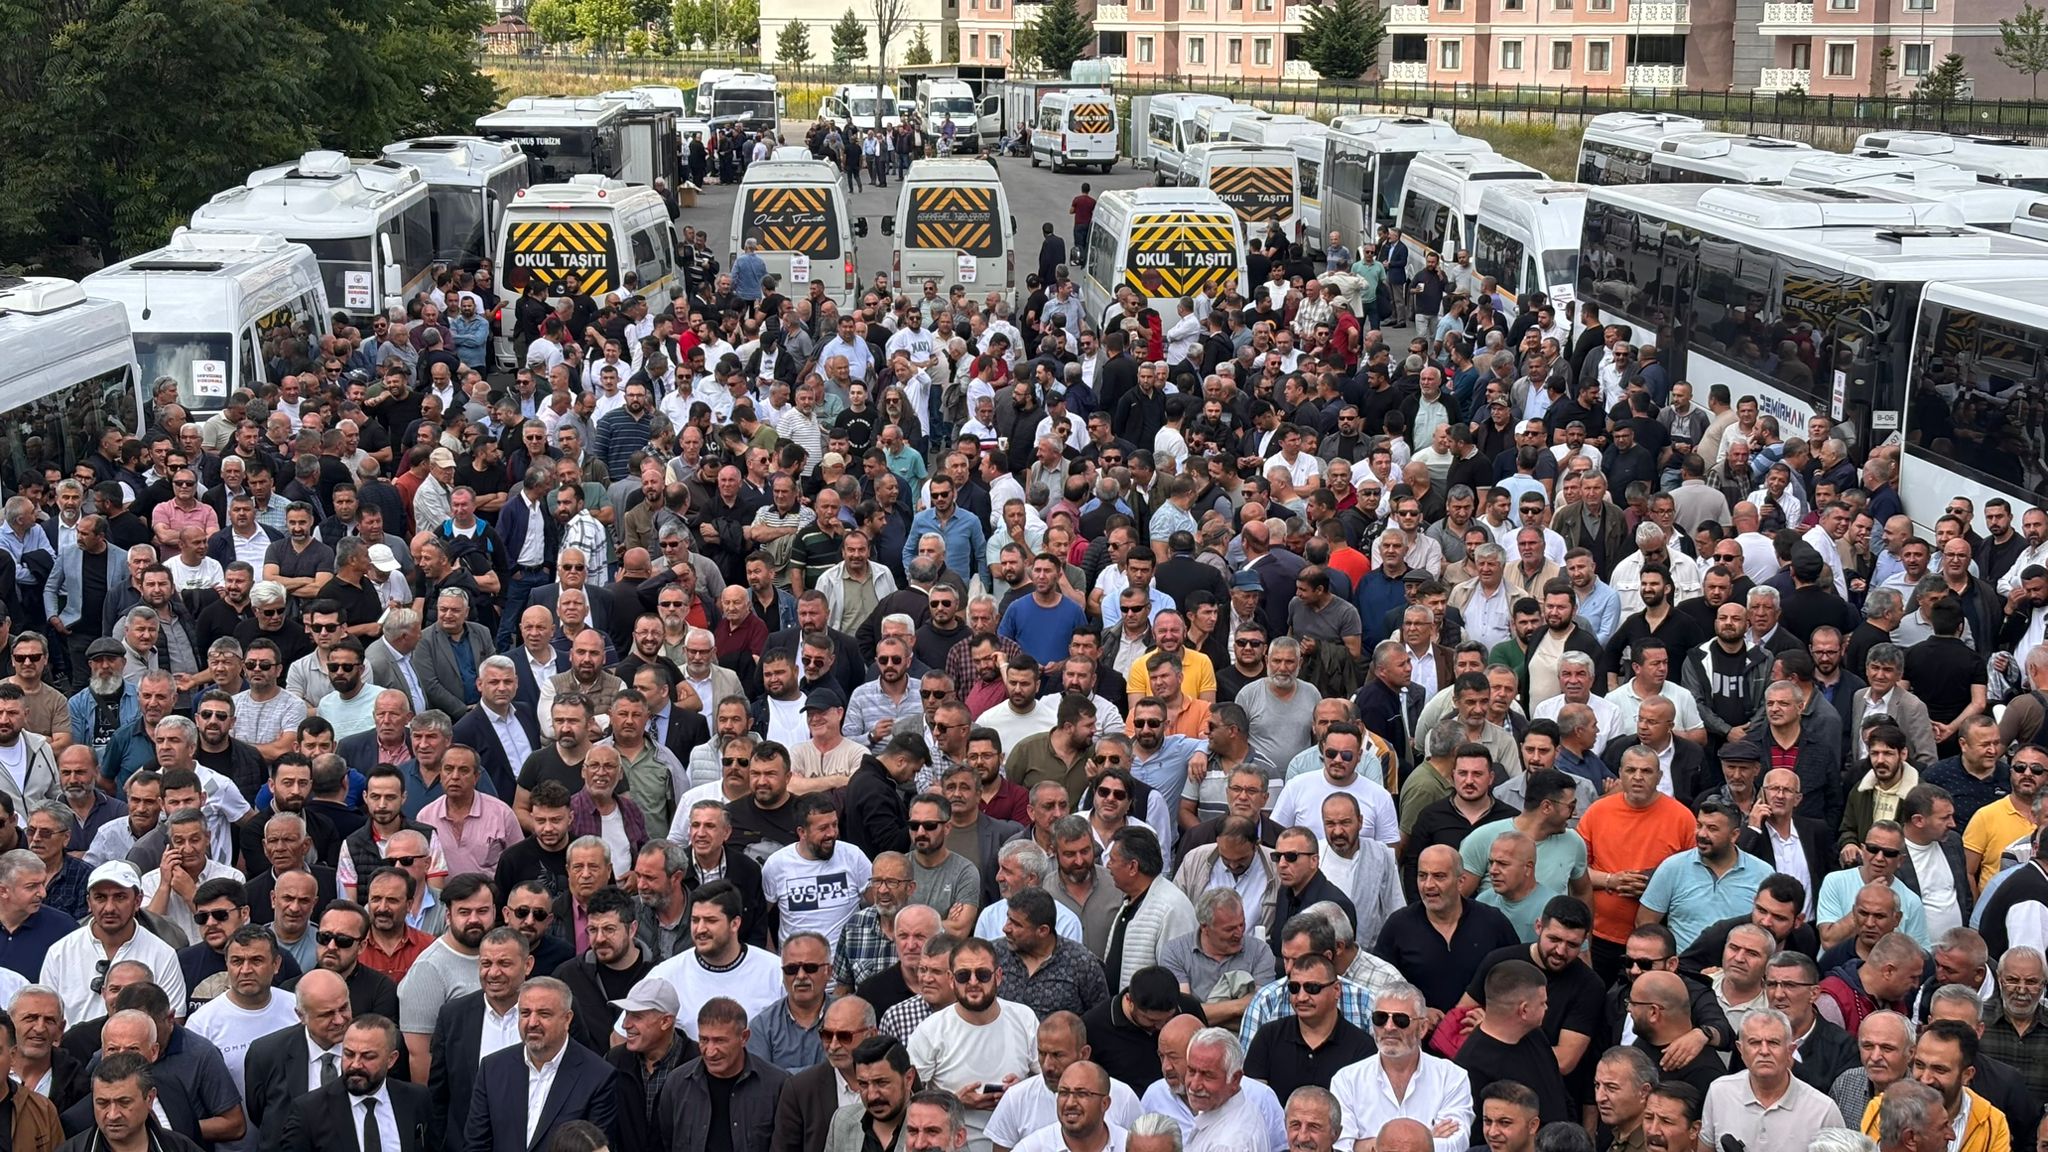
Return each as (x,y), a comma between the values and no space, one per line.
(1554,150)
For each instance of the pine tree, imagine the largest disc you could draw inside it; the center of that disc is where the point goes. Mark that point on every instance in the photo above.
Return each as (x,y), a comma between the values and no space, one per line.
(1341,38)
(1059,36)
(2023,44)
(793,44)
(920,51)
(1943,87)
(849,39)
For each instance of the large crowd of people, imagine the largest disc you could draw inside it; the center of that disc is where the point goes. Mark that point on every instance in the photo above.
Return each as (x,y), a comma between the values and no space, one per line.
(927,723)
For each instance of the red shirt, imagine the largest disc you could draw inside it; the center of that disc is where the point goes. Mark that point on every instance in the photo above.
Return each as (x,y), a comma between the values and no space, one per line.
(395,964)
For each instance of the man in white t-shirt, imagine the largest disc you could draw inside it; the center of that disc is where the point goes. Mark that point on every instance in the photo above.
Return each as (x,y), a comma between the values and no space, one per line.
(1033,1104)
(720,964)
(815,883)
(251,1009)
(980,1040)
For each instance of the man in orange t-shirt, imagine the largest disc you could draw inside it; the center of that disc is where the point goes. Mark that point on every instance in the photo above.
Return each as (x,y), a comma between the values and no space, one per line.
(1628,833)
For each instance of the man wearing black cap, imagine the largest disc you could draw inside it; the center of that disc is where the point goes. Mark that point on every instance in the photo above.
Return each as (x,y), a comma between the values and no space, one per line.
(1813,602)
(1123,1031)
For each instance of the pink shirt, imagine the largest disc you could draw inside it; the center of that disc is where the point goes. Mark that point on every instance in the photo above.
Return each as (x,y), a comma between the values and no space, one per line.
(169,515)
(474,842)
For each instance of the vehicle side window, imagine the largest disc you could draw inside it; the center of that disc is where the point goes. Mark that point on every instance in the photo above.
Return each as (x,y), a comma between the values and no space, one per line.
(250,356)
(1049,119)
(647,261)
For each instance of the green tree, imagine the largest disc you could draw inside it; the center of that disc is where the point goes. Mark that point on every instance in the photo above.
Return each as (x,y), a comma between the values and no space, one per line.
(638,43)
(920,51)
(1341,38)
(1059,36)
(114,130)
(2023,44)
(1024,46)
(690,20)
(793,44)
(1940,89)
(554,21)
(849,41)
(604,22)
(742,24)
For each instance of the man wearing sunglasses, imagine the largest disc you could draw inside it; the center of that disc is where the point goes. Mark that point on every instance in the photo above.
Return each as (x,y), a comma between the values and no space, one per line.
(1404,1082)
(979,1046)
(1837,914)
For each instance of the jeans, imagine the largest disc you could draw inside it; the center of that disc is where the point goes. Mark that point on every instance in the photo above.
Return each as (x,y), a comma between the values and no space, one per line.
(519,586)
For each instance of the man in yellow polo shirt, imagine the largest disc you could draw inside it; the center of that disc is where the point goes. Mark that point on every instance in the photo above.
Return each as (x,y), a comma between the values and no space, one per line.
(2007,820)
(1198,674)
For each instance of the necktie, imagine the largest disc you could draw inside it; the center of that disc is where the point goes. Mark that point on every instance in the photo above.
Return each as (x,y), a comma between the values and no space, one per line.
(328,1071)
(372,1140)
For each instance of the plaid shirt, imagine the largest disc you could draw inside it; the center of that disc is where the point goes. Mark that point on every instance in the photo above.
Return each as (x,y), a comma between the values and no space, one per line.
(66,890)
(652,1079)
(585,534)
(960,663)
(1354,1003)
(869,707)
(863,950)
(903,1019)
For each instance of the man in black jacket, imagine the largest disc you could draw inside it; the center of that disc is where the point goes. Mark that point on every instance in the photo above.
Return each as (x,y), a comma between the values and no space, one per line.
(281,1066)
(1117,374)
(611,968)
(331,1119)
(876,809)
(123,1107)
(502,966)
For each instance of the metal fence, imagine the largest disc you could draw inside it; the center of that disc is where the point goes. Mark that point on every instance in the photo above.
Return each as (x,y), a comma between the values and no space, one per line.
(1322,99)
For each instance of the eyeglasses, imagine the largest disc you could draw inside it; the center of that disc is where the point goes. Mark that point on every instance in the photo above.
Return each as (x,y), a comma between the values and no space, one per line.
(99,979)
(1078,1094)
(216,714)
(849,1037)
(529,913)
(1112,793)
(1639,964)
(259,665)
(337,939)
(1398,1019)
(184,484)
(1308,987)
(2030,769)
(1147,723)
(261,611)
(1885,853)
(735,761)
(974,975)
(1291,857)
(1136,607)
(933,694)
(889,882)
(924,825)
(403,861)
(1251,643)
(1339,754)
(808,969)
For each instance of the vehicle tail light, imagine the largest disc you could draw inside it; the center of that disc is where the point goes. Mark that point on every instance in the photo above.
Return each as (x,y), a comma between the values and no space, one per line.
(849,270)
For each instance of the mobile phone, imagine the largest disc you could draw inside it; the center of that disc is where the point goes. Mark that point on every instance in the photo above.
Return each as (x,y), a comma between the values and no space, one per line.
(993,1089)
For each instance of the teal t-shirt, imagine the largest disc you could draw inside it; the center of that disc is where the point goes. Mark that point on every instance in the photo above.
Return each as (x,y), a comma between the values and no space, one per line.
(1559,860)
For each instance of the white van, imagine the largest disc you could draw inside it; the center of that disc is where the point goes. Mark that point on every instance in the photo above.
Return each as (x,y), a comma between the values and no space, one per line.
(1164,244)
(469,182)
(752,100)
(1527,237)
(1076,128)
(1255,180)
(1212,124)
(1440,202)
(953,224)
(369,222)
(1308,185)
(858,105)
(597,228)
(943,102)
(1169,123)
(219,311)
(796,209)
(1365,165)
(67,374)
(1271,129)
(649,147)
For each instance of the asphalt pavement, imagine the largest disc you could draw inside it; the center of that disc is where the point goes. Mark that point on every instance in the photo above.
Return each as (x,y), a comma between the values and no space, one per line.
(1036,195)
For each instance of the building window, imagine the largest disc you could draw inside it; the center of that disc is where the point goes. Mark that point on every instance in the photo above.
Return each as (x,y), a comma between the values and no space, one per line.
(1561,5)
(1561,55)
(1919,59)
(1599,5)
(1262,51)
(1198,50)
(995,46)
(1511,5)
(1919,5)
(1599,55)
(1454,5)
(1842,59)
(1511,55)
(1841,5)
(1802,55)
(1198,5)
(974,44)
(1237,5)
(1236,50)
(1144,49)
(1450,55)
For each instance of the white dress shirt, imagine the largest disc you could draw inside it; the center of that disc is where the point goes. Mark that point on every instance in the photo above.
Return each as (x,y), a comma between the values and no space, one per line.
(1439,1090)
(314,1054)
(539,1081)
(387,1124)
(533,548)
(499,1031)
(511,735)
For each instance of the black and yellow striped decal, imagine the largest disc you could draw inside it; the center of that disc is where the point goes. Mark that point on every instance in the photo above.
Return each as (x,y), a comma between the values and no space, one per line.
(1177,253)
(550,249)
(1094,119)
(793,220)
(1258,194)
(962,218)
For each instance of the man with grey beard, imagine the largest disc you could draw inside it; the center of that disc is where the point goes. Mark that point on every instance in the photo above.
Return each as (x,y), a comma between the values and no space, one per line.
(107,701)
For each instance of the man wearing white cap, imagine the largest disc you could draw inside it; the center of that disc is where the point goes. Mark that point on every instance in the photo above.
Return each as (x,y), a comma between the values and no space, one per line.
(654,1046)
(77,965)
(432,502)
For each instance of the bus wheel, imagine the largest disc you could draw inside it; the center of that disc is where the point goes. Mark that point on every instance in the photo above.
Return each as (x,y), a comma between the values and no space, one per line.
(1034,158)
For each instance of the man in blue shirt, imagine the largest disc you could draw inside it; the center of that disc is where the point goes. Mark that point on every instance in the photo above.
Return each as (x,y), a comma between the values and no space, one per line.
(1044,622)
(748,272)
(1692,891)
(966,542)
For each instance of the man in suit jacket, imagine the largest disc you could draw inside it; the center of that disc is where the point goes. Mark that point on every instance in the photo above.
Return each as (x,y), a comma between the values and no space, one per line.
(1895,700)
(1781,795)
(525,660)
(332,1119)
(584,1087)
(1653,728)
(64,592)
(434,662)
(1610,542)
(549,595)
(497,686)
(803,1112)
(1929,818)
(280,1067)
(503,962)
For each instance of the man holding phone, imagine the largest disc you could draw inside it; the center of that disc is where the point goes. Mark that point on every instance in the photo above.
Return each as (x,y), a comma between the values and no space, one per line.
(980,1045)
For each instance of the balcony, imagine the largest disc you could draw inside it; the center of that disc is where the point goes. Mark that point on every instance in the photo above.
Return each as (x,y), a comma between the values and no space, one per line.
(1110,15)
(1660,17)
(1408,72)
(1654,76)
(1407,15)
(1299,70)
(1786,18)
(1784,79)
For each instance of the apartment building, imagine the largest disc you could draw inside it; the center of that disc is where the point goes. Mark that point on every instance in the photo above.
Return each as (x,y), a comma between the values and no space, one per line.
(1561,43)
(1878,47)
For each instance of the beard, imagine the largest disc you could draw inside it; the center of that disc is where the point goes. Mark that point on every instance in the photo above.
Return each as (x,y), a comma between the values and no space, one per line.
(108,685)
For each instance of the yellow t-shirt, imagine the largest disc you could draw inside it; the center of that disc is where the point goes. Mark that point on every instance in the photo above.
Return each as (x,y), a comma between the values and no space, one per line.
(1992,830)
(1197,675)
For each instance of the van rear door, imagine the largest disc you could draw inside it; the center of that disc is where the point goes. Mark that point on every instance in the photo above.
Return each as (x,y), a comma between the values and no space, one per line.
(801,233)
(1258,191)
(1174,254)
(551,249)
(943,223)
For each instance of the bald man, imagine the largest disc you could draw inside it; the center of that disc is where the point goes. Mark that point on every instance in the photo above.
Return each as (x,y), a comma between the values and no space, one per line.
(282,1066)
(1403,1135)
(1168,1094)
